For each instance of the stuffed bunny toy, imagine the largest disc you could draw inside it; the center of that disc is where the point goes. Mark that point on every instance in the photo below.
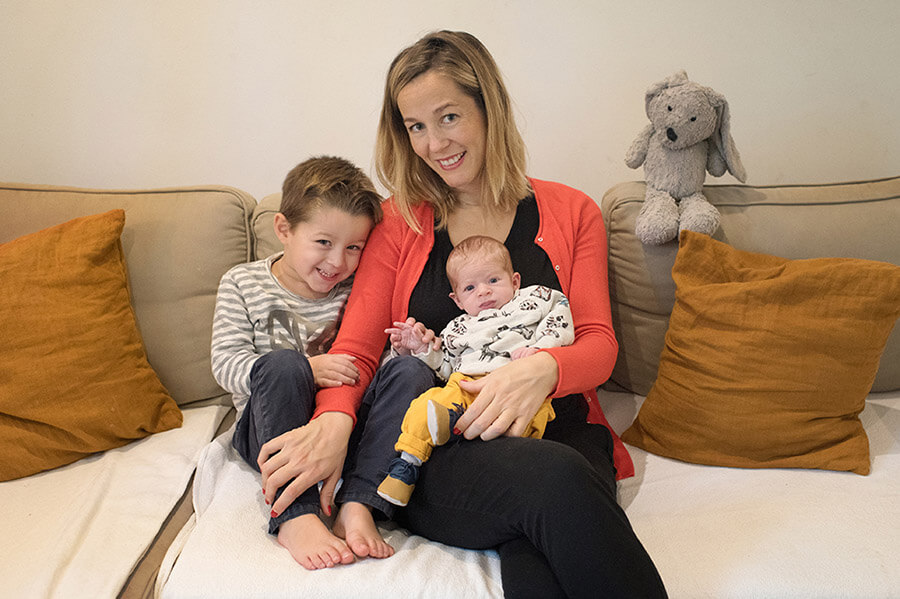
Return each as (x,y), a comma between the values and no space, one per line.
(688,134)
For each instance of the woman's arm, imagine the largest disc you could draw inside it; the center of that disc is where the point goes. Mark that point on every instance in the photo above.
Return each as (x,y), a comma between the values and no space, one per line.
(589,361)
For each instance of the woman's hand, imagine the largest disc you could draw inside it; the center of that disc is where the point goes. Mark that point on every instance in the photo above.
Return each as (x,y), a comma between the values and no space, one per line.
(334,370)
(508,398)
(304,456)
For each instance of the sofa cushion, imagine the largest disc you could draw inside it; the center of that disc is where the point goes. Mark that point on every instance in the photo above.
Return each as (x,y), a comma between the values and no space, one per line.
(767,361)
(178,243)
(76,379)
(853,220)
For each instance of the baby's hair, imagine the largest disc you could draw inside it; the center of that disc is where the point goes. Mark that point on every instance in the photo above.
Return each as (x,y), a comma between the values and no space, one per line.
(328,181)
(477,247)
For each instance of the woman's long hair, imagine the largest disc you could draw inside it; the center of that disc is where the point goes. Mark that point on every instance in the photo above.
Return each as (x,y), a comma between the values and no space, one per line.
(465,60)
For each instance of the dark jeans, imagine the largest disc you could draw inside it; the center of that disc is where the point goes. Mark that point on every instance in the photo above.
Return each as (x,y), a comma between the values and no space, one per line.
(282,398)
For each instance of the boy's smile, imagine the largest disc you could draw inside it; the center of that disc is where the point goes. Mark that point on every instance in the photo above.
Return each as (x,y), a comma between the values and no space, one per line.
(321,252)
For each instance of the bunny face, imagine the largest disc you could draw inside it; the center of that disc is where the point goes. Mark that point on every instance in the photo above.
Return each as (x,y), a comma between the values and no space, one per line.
(682,116)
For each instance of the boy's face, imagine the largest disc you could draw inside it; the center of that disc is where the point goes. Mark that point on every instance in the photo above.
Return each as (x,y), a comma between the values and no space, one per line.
(320,252)
(482,285)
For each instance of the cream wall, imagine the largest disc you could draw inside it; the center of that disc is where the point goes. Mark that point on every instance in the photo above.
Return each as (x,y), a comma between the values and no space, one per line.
(129,93)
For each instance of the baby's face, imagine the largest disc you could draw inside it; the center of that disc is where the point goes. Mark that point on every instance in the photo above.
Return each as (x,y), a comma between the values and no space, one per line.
(483,286)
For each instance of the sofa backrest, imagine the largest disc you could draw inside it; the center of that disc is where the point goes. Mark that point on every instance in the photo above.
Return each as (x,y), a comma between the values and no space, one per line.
(263,224)
(178,243)
(852,220)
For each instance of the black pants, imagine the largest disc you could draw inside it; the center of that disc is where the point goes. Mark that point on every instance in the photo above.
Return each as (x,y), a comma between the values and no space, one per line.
(547,505)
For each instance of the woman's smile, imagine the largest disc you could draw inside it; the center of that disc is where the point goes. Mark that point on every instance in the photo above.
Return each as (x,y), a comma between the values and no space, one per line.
(452,162)
(447,130)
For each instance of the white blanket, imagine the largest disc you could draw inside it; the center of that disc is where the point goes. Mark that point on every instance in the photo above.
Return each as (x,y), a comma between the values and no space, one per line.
(712,532)
(77,531)
(229,553)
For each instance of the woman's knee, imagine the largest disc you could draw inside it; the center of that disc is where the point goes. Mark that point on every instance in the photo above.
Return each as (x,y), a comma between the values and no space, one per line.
(556,474)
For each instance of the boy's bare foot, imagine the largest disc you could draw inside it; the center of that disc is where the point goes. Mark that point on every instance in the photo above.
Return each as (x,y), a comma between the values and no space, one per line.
(312,545)
(354,524)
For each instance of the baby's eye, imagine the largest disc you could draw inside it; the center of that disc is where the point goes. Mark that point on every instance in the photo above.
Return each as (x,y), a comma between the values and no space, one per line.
(355,248)
(495,280)
(468,287)
(324,242)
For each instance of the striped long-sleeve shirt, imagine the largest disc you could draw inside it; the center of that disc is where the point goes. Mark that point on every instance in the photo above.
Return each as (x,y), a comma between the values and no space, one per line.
(255,314)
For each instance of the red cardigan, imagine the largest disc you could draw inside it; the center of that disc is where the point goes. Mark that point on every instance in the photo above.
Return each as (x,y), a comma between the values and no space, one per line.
(573,236)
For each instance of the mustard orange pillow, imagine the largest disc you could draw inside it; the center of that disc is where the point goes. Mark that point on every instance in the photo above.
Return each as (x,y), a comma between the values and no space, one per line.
(74,376)
(767,361)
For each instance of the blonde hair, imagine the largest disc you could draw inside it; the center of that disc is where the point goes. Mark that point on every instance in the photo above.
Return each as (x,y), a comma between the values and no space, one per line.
(328,181)
(477,247)
(465,60)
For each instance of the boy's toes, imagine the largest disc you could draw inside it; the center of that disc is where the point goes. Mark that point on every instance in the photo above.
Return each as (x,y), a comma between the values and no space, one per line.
(359,546)
(386,550)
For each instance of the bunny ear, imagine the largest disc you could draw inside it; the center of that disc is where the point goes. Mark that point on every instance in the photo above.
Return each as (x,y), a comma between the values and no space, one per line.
(678,78)
(725,144)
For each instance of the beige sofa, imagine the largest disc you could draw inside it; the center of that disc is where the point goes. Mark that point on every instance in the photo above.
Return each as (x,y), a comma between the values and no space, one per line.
(713,532)
(177,244)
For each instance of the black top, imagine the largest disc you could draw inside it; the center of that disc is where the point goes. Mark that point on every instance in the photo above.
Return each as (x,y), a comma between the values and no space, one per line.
(430,301)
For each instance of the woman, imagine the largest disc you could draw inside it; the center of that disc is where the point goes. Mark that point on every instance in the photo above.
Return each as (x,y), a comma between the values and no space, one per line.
(451,155)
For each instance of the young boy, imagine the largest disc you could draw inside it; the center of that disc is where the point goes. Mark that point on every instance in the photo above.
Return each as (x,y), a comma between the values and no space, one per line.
(274,322)
(501,323)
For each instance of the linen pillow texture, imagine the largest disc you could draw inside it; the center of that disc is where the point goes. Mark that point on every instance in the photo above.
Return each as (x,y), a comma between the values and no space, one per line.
(767,361)
(74,375)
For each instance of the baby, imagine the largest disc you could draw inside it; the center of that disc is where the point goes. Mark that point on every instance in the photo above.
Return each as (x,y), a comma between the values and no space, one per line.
(501,323)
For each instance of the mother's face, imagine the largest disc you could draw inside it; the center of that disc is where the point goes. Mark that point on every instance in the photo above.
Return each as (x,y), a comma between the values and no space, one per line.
(447,130)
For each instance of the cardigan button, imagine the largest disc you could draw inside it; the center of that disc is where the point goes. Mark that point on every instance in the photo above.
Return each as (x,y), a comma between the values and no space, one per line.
(540,239)
(556,267)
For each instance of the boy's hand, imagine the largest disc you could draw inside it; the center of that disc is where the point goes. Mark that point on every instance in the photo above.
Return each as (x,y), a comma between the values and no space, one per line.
(334,370)
(523,352)
(412,337)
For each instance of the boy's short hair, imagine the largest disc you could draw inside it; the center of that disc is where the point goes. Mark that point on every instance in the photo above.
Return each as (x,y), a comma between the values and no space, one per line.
(478,247)
(328,181)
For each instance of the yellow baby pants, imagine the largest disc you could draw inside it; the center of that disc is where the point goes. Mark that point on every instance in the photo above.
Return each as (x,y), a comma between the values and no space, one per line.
(414,436)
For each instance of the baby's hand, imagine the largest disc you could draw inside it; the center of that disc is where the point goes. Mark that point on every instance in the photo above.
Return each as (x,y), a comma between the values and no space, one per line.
(523,352)
(334,370)
(412,337)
